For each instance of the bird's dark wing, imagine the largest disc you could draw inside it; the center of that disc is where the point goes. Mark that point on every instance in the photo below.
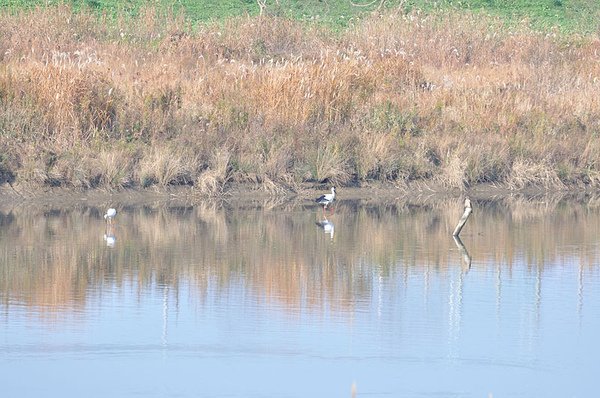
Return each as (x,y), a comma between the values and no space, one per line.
(320,198)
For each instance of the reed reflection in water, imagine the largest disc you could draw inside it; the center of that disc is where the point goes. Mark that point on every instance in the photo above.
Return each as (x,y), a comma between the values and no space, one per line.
(285,301)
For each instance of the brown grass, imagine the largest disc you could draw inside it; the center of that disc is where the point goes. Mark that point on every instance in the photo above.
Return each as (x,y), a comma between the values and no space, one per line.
(211,182)
(446,98)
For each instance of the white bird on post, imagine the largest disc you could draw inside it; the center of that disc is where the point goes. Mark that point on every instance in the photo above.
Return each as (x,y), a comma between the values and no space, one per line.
(463,219)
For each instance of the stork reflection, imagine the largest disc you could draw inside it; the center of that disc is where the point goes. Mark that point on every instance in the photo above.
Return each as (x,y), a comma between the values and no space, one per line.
(327,226)
(109,235)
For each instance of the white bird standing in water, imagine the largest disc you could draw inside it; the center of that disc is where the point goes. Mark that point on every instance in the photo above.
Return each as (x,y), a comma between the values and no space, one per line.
(326,199)
(110,214)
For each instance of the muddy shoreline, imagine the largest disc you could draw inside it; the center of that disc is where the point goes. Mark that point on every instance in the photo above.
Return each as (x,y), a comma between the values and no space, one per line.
(248,195)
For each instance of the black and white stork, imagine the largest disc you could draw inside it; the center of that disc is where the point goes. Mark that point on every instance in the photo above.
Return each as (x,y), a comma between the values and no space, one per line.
(326,199)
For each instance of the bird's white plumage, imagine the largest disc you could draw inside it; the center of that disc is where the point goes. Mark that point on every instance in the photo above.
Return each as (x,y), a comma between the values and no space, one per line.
(110,213)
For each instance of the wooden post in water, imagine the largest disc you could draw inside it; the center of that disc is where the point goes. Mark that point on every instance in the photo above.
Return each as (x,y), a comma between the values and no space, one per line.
(463,219)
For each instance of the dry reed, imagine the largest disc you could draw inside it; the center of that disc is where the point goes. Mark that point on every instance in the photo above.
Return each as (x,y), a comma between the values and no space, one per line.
(450,99)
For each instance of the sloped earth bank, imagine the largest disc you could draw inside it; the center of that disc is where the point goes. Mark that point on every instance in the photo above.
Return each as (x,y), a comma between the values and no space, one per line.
(247,195)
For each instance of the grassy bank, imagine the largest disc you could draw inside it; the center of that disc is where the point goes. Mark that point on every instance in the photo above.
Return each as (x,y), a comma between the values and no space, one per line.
(451,99)
(574,16)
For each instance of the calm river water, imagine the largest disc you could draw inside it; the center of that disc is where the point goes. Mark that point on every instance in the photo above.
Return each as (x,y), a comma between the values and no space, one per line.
(267,300)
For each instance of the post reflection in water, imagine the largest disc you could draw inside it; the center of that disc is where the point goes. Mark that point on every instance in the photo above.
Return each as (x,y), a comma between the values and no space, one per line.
(257,295)
(466,257)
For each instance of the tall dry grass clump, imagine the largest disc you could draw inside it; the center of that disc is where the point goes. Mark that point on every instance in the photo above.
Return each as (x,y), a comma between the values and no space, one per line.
(450,99)
(211,182)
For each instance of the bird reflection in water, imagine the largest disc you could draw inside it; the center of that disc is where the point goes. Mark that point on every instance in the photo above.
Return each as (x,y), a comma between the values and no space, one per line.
(327,226)
(109,236)
(109,232)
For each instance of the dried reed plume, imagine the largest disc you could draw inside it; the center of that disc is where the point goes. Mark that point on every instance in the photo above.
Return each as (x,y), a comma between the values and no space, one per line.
(449,99)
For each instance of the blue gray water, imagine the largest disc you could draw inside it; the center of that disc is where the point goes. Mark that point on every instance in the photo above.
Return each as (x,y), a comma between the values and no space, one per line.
(374,300)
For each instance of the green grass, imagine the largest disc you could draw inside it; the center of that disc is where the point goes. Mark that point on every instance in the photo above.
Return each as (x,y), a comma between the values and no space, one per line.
(571,16)
(579,16)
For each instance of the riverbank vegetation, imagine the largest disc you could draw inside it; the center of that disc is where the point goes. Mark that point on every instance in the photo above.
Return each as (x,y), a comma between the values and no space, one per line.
(572,16)
(153,100)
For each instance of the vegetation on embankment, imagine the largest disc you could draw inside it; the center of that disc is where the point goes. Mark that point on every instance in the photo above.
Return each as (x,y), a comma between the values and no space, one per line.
(451,99)
(572,16)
